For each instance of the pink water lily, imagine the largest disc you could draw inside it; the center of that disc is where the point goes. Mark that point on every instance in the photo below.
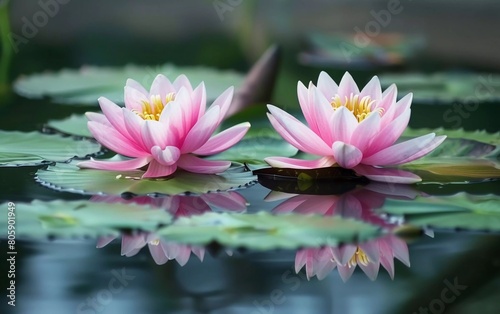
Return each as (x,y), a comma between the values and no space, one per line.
(352,129)
(167,128)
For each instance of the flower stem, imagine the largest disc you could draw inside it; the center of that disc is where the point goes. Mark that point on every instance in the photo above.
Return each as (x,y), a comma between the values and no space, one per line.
(6,55)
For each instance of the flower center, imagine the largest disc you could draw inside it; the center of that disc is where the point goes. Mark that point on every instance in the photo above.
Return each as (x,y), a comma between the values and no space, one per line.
(359,257)
(152,110)
(361,108)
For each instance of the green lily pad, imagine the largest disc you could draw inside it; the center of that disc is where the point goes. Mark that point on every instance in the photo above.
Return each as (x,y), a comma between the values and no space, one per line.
(84,86)
(264,231)
(478,135)
(254,149)
(460,211)
(34,148)
(446,87)
(69,219)
(458,160)
(69,177)
(75,125)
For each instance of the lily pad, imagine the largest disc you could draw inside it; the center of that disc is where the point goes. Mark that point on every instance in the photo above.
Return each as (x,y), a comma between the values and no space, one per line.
(69,219)
(446,87)
(477,135)
(75,125)
(69,177)
(84,86)
(34,148)
(254,149)
(460,211)
(458,160)
(264,231)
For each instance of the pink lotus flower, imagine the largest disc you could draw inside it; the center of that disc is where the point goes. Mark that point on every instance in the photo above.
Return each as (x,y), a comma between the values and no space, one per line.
(351,128)
(166,128)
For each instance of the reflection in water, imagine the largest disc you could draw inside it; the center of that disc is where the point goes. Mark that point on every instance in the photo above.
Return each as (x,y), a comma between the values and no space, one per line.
(357,204)
(160,249)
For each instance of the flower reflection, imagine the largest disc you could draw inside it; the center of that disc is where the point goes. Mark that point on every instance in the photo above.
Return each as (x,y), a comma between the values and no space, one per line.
(358,204)
(161,249)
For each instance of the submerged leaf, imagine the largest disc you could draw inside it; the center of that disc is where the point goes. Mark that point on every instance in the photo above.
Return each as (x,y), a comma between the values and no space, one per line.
(264,231)
(34,148)
(69,177)
(83,218)
(460,211)
(86,85)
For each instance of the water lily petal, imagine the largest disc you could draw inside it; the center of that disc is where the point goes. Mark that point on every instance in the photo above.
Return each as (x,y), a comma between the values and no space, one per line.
(195,164)
(371,270)
(307,105)
(372,89)
(131,243)
(167,156)
(231,200)
(397,108)
(201,131)
(388,134)
(347,86)
(427,149)
(103,241)
(400,250)
(301,134)
(133,124)
(327,85)
(284,133)
(388,99)
(366,131)
(285,162)
(156,170)
(223,101)
(199,102)
(394,154)
(223,140)
(137,86)
(98,117)
(114,140)
(158,253)
(183,81)
(343,124)
(154,133)
(387,175)
(345,272)
(161,86)
(123,165)
(323,116)
(114,114)
(134,99)
(347,156)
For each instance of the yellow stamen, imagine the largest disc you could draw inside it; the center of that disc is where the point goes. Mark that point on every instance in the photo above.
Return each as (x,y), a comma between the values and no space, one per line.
(155,242)
(359,257)
(361,108)
(151,110)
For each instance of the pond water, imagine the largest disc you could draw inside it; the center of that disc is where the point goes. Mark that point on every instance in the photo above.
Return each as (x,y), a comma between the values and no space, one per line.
(435,270)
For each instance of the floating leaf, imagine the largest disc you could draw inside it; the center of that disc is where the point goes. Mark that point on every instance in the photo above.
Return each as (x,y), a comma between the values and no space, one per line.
(255,149)
(34,148)
(460,211)
(446,87)
(458,160)
(82,218)
(75,125)
(86,85)
(68,177)
(477,135)
(264,231)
